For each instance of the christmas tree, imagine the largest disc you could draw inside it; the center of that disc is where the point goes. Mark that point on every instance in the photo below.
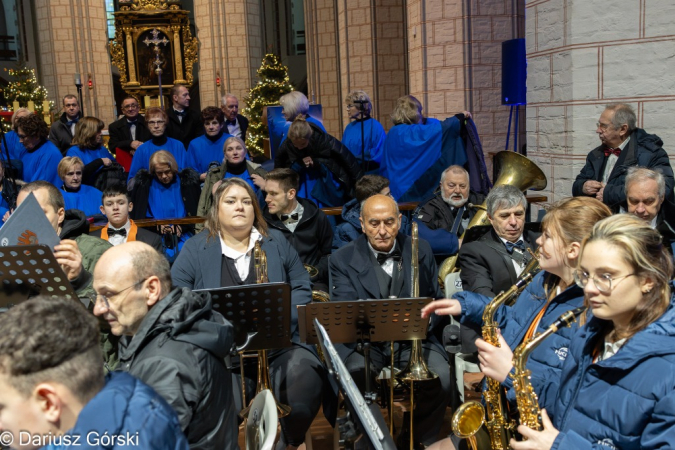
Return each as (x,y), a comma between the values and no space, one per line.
(273,83)
(24,89)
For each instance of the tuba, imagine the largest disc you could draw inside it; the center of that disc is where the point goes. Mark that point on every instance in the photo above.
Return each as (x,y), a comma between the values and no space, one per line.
(526,398)
(264,382)
(499,427)
(417,369)
(514,170)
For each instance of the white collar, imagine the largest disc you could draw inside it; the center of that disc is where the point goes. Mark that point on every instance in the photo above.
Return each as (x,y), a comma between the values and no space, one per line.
(231,253)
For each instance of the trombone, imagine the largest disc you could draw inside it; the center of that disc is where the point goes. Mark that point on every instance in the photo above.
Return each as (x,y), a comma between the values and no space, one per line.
(264,381)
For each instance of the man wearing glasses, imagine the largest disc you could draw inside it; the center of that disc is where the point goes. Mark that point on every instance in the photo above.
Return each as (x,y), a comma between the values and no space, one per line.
(623,145)
(128,133)
(170,339)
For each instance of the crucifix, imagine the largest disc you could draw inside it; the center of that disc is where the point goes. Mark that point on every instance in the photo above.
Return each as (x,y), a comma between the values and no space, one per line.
(156,41)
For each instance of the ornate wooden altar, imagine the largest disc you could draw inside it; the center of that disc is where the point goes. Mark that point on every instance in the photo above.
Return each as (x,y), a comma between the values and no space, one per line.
(152,34)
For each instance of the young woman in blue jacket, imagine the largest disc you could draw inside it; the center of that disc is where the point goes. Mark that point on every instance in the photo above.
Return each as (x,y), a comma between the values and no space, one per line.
(617,388)
(551,293)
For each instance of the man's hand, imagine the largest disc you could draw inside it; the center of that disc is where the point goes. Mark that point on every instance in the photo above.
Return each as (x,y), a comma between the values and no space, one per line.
(536,440)
(6,216)
(69,257)
(135,144)
(442,307)
(600,193)
(495,362)
(106,161)
(591,187)
(258,181)
(308,161)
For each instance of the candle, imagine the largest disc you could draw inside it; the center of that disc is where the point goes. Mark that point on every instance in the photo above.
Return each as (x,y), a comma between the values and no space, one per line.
(147,101)
(31,106)
(45,107)
(16,105)
(78,80)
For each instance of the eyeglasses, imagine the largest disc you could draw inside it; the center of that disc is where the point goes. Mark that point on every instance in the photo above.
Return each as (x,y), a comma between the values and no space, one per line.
(133,106)
(106,298)
(602,283)
(155,122)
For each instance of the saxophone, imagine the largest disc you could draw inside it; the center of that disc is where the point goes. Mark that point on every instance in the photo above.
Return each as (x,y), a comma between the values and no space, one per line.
(498,424)
(528,403)
(499,427)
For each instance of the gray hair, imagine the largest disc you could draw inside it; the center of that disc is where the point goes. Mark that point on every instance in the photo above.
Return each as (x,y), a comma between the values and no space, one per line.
(18,113)
(224,98)
(623,114)
(360,95)
(504,197)
(148,262)
(294,103)
(455,169)
(637,174)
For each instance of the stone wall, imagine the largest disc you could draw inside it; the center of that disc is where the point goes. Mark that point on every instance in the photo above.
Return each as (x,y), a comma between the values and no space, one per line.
(583,54)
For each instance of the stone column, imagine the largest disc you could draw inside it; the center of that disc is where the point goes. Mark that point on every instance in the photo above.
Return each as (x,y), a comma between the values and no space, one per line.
(72,37)
(583,55)
(230,47)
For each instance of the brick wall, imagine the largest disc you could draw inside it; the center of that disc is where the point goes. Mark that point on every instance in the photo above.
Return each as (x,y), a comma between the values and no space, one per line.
(583,55)
(72,37)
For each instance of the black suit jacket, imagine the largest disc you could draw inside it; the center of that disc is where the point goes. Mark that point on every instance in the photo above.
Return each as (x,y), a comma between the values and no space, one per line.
(191,127)
(142,235)
(486,266)
(243,125)
(120,134)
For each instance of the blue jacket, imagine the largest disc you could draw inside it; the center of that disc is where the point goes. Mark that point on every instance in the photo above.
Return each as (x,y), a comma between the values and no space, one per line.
(125,407)
(546,361)
(624,402)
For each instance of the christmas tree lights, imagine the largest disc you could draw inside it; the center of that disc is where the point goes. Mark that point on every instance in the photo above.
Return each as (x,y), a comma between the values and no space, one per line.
(274,83)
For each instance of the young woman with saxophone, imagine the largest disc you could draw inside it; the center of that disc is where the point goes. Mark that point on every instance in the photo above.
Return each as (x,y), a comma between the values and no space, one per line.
(617,384)
(222,255)
(551,293)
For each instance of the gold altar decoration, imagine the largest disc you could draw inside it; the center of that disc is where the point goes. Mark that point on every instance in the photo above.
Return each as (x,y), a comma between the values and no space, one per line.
(152,35)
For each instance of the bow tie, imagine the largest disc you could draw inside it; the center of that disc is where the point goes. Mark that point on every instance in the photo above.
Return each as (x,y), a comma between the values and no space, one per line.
(180,113)
(70,123)
(383,257)
(132,124)
(121,232)
(612,151)
(510,246)
(231,122)
(285,217)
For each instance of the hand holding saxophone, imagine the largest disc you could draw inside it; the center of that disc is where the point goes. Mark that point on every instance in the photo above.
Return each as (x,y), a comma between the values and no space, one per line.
(536,440)
(495,362)
(442,307)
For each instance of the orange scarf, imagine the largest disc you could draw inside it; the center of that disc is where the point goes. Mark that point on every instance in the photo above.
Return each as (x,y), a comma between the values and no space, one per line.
(131,236)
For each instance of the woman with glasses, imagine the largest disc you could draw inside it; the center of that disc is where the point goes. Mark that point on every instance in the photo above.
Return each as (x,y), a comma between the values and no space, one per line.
(617,388)
(551,293)
(88,147)
(222,255)
(364,135)
(156,120)
(77,195)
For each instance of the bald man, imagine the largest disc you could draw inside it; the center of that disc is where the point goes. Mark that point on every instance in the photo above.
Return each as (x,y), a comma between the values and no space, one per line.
(377,265)
(171,339)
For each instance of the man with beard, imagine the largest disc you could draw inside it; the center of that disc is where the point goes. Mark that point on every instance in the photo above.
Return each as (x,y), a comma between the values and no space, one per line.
(449,209)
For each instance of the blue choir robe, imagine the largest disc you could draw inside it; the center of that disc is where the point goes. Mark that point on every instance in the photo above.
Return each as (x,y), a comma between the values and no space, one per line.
(374,135)
(414,156)
(15,147)
(89,155)
(42,164)
(166,202)
(202,151)
(141,159)
(88,200)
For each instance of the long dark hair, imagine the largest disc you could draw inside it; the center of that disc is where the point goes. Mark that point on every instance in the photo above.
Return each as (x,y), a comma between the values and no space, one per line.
(213,224)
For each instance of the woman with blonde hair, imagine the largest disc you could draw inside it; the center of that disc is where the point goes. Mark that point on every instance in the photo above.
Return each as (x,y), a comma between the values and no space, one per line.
(222,255)
(77,195)
(87,144)
(617,383)
(551,293)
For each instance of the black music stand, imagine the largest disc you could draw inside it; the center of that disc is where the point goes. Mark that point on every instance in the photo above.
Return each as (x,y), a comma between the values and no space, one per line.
(28,271)
(259,313)
(365,321)
(361,415)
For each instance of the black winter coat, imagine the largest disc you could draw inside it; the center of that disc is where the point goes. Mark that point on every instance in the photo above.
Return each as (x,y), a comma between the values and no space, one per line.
(179,350)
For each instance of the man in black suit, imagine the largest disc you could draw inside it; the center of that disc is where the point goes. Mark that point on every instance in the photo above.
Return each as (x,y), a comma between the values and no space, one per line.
(129,132)
(441,211)
(120,229)
(184,124)
(492,263)
(236,123)
(377,265)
